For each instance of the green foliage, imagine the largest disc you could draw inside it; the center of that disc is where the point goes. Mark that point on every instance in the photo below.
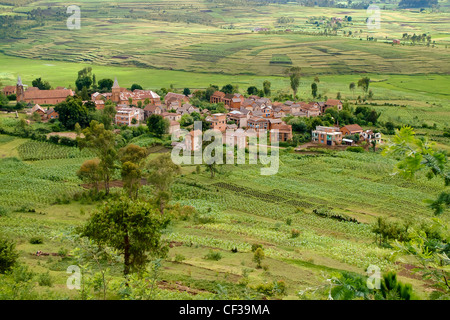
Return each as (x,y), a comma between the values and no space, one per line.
(136,86)
(294,77)
(36,240)
(213,255)
(36,150)
(295,233)
(258,257)
(179,258)
(355,149)
(102,143)
(45,280)
(385,231)
(42,85)
(105,84)
(392,289)
(132,227)
(84,79)
(72,111)
(157,125)
(416,155)
(8,255)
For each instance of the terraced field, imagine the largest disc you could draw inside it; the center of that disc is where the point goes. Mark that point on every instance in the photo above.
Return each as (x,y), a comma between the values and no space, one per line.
(216,38)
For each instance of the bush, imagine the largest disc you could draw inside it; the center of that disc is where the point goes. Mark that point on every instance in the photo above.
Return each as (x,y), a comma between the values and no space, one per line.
(295,233)
(3,211)
(36,240)
(391,289)
(213,255)
(255,246)
(179,258)
(258,257)
(289,221)
(45,280)
(355,149)
(8,255)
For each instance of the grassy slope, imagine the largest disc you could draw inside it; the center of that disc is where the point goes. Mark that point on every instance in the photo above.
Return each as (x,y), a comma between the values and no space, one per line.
(237,220)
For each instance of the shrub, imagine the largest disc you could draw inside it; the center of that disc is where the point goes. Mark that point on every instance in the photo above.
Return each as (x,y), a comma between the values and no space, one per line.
(255,246)
(8,255)
(289,221)
(265,289)
(295,233)
(392,289)
(3,211)
(179,258)
(36,240)
(234,250)
(213,255)
(355,149)
(45,280)
(258,257)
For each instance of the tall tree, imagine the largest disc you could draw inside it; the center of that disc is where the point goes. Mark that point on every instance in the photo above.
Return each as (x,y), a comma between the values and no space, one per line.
(229,88)
(352,88)
(294,77)
(84,78)
(42,85)
(132,157)
(364,83)
(266,88)
(252,90)
(135,86)
(90,173)
(102,143)
(161,173)
(314,89)
(157,125)
(132,227)
(105,84)
(72,111)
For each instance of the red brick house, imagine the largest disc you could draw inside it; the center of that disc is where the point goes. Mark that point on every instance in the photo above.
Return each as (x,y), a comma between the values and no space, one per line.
(351,129)
(9,90)
(284,132)
(330,136)
(258,124)
(123,96)
(218,121)
(35,95)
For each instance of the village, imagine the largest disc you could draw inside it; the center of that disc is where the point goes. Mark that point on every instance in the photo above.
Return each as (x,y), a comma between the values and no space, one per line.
(245,114)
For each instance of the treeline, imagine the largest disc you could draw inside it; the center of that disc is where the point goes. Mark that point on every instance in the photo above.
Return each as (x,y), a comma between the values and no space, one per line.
(417,3)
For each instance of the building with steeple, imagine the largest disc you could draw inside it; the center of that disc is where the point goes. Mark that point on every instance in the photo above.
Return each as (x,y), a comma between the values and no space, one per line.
(126,97)
(41,97)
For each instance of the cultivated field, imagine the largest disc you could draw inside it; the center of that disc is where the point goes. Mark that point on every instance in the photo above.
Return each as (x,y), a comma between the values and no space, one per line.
(235,210)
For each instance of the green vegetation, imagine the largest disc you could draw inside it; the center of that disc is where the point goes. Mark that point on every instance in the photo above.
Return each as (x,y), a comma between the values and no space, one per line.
(140,227)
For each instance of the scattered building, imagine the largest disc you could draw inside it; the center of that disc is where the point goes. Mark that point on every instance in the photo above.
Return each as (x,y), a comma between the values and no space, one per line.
(330,136)
(351,129)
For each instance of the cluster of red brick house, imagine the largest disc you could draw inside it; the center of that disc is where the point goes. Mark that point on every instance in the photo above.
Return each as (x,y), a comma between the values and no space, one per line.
(48,114)
(332,136)
(123,96)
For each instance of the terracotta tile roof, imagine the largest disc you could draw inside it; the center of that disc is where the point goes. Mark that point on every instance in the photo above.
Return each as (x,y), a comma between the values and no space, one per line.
(49,94)
(333,102)
(353,128)
(219,94)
